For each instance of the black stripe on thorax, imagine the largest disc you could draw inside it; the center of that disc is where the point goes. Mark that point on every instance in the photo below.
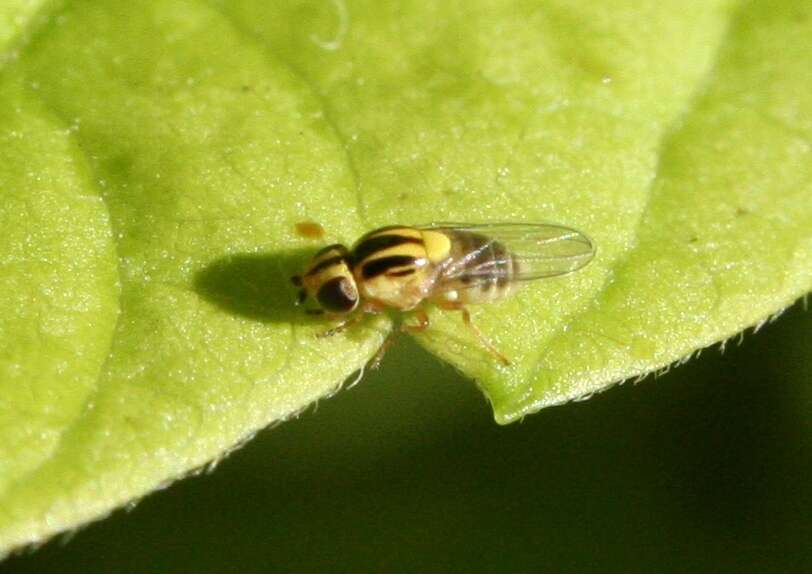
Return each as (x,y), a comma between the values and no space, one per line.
(329,262)
(379,266)
(402,272)
(377,243)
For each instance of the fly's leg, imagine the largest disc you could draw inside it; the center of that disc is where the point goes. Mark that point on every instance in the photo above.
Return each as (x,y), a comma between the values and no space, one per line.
(466,318)
(421,325)
(376,359)
(368,307)
(342,326)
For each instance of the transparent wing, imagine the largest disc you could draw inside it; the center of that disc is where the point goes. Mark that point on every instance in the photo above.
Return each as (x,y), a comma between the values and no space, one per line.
(514,251)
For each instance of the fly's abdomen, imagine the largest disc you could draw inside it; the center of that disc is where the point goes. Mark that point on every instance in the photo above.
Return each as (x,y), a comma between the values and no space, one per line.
(479,269)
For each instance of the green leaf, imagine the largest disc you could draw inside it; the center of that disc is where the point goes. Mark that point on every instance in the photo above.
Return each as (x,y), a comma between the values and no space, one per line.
(16,17)
(124,174)
(724,240)
(155,156)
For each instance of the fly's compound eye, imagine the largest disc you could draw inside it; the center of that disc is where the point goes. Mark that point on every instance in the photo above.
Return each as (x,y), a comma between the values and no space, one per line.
(338,295)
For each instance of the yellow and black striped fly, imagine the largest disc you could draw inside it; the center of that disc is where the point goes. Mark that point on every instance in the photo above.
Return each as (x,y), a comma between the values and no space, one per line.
(449,265)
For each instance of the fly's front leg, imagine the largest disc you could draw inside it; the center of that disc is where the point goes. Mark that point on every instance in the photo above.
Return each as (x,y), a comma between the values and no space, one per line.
(347,322)
(466,318)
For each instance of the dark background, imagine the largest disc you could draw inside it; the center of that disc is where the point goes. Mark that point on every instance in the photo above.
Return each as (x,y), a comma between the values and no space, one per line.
(706,469)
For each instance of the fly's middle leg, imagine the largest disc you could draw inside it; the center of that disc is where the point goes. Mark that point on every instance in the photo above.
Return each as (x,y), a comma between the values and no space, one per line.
(421,325)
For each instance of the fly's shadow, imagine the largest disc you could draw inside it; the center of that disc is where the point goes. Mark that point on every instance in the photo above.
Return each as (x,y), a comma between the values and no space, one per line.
(255,285)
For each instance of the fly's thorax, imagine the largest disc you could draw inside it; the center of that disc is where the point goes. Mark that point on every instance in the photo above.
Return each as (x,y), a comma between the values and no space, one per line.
(391,266)
(329,280)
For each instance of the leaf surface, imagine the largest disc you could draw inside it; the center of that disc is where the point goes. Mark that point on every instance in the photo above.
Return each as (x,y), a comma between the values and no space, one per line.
(156,155)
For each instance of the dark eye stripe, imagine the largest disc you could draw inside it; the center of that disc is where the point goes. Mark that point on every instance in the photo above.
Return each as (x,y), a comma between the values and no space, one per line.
(377,243)
(321,265)
(379,266)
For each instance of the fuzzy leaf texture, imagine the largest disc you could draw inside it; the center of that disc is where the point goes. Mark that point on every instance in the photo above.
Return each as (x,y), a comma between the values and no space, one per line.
(155,156)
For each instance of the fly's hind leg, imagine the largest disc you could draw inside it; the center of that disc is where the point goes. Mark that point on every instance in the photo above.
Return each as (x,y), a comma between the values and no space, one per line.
(466,318)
